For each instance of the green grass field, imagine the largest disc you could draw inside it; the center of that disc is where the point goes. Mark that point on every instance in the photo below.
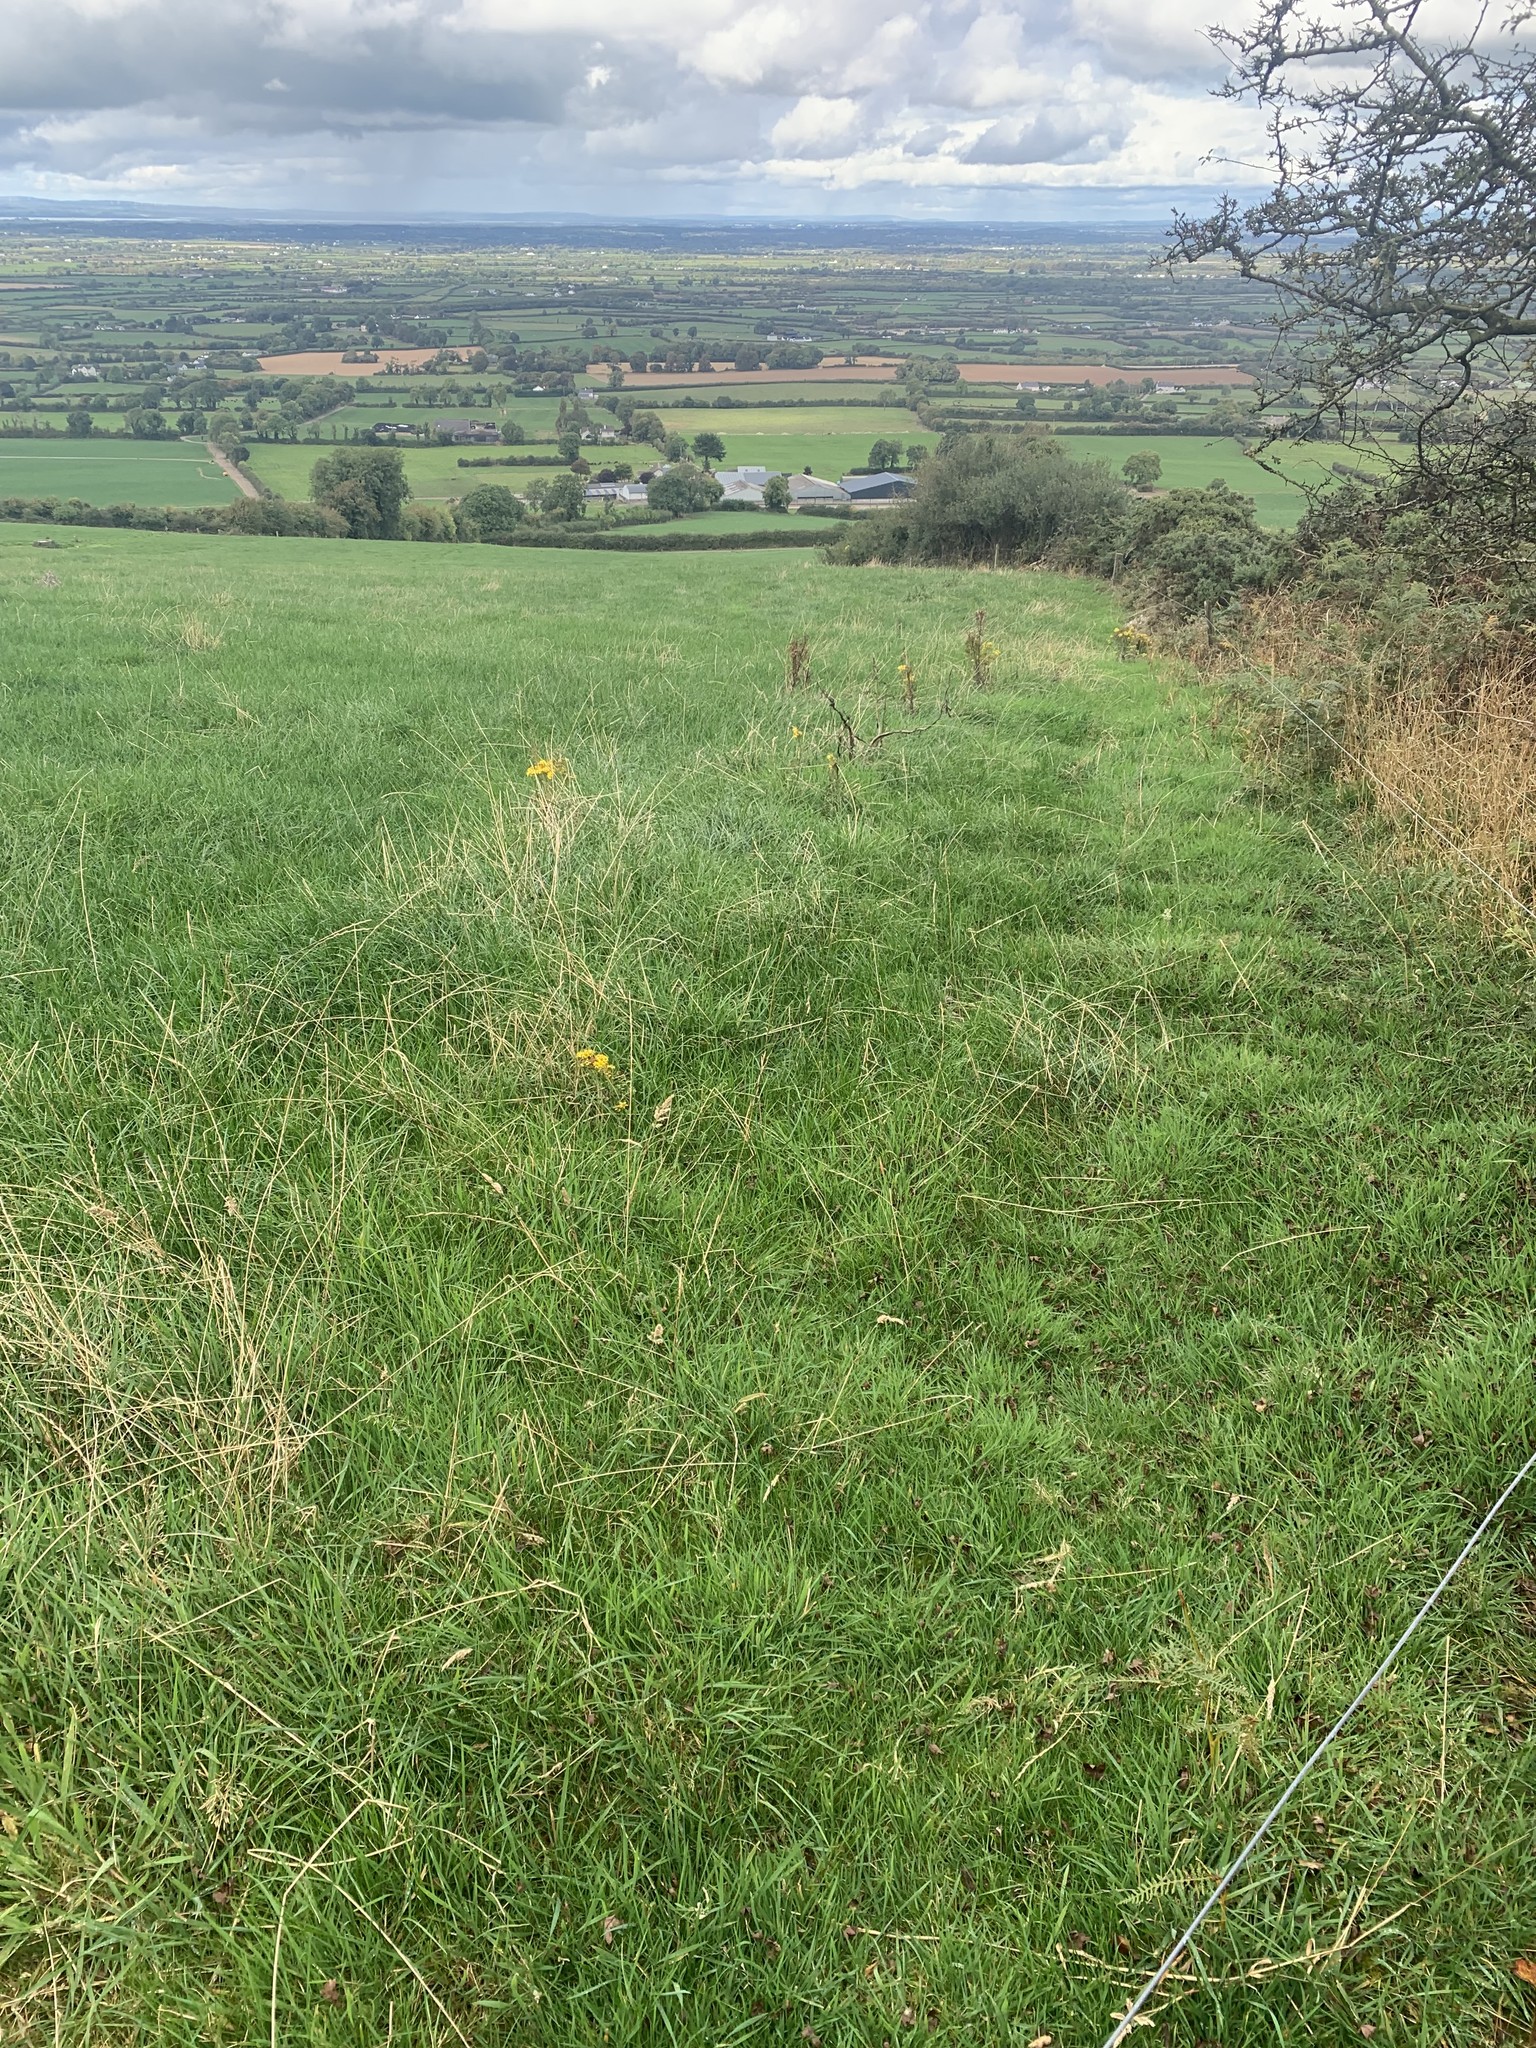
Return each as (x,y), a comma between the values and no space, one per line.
(434,473)
(1190,464)
(114,472)
(828,1521)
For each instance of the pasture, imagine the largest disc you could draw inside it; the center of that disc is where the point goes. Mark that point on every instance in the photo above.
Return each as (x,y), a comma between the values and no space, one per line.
(728,1393)
(114,472)
(1190,464)
(286,466)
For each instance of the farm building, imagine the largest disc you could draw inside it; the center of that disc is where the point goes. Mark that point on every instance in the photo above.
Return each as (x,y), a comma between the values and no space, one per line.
(868,490)
(815,490)
(466,433)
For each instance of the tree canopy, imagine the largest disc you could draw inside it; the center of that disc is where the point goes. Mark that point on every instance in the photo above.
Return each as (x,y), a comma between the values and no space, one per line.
(367,486)
(1397,234)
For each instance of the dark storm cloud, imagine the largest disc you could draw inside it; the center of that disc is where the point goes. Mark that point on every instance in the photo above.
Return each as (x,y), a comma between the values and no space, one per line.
(189,59)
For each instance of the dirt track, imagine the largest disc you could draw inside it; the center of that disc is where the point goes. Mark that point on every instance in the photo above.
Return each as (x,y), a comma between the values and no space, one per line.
(236,476)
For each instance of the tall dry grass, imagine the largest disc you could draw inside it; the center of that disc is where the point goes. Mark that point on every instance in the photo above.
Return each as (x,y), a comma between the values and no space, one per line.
(1427,711)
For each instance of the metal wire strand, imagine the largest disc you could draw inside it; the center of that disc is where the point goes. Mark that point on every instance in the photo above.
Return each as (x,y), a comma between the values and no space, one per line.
(1123,2026)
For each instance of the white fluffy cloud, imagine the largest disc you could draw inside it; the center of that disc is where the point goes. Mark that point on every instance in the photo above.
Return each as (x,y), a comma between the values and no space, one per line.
(649,105)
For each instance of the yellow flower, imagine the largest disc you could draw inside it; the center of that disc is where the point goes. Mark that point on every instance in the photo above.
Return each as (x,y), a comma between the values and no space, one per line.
(795,733)
(545,770)
(595,1062)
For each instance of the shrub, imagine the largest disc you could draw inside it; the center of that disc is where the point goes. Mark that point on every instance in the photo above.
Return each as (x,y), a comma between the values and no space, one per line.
(432,523)
(986,496)
(1193,554)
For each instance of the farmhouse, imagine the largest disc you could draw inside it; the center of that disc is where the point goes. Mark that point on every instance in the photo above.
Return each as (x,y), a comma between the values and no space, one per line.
(868,490)
(467,433)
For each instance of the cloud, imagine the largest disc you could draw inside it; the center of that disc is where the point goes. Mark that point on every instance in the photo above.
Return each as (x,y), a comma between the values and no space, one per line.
(815,126)
(1049,136)
(527,104)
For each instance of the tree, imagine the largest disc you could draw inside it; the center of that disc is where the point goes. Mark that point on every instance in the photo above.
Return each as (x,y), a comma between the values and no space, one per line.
(1142,468)
(776,494)
(885,454)
(191,422)
(569,444)
(675,448)
(367,486)
(488,512)
(708,448)
(917,454)
(1397,238)
(647,426)
(146,424)
(683,489)
(77,421)
(563,498)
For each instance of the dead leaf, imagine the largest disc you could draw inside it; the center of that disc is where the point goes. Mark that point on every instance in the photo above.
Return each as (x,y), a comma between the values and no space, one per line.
(899,1321)
(330,1991)
(612,1925)
(661,1112)
(808,2033)
(657,1334)
(223,1895)
(10,1825)
(1367,2030)
(457,1658)
(1525,1971)
(1042,2041)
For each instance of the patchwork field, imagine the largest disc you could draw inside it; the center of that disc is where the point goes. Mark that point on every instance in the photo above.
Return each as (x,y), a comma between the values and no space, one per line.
(114,472)
(731,1394)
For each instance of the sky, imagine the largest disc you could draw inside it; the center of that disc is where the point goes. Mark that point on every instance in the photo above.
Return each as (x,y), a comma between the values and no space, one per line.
(924,109)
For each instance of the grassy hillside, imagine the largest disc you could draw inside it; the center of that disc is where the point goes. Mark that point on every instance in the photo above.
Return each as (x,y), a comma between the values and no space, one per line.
(726,1397)
(114,472)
